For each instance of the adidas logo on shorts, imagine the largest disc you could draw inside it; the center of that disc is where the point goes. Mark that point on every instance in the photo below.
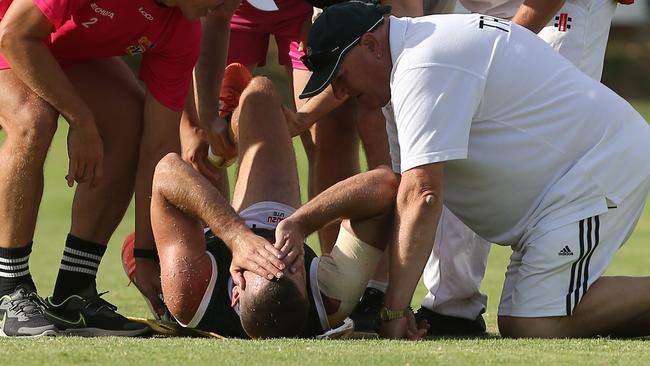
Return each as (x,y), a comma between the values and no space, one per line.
(565,251)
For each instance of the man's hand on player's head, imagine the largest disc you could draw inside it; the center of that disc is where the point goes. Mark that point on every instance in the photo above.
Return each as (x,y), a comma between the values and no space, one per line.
(255,254)
(289,239)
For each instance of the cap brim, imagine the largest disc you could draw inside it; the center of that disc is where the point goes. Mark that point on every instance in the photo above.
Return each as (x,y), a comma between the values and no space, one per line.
(320,79)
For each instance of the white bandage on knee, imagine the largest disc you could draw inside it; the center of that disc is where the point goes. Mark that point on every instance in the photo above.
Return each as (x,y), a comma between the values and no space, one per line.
(344,273)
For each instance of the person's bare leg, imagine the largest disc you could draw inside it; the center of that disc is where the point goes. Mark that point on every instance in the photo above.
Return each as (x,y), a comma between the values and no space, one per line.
(372,130)
(332,149)
(112,92)
(336,157)
(29,123)
(610,303)
(267,166)
(157,140)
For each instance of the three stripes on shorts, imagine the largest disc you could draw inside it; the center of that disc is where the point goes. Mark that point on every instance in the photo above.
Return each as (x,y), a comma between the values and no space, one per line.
(589,239)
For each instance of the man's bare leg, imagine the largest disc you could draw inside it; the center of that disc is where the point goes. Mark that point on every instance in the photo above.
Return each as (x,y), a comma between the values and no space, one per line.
(29,123)
(332,148)
(267,164)
(609,305)
(111,91)
(157,140)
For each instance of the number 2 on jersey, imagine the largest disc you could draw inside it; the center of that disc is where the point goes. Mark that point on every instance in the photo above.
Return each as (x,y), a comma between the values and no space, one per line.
(89,22)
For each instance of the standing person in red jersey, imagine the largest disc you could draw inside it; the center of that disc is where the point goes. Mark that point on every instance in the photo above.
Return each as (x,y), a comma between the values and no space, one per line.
(57,58)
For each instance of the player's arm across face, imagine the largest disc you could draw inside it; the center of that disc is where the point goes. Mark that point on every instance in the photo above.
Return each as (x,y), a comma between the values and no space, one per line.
(22,31)
(535,14)
(360,197)
(190,192)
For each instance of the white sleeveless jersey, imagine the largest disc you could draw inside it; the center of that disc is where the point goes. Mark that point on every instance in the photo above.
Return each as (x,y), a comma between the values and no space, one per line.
(527,139)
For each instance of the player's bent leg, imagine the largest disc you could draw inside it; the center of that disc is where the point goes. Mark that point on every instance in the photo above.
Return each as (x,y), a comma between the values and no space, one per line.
(110,90)
(113,94)
(372,131)
(554,287)
(336,157)
(608,308)
(157,140)
(267,163)
(29,123)
(185,267)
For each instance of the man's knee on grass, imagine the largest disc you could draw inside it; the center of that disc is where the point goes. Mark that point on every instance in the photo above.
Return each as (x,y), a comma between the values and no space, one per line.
(542,327)
(272,309)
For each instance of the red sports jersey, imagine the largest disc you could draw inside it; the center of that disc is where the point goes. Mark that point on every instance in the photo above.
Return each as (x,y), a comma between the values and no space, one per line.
(87,29)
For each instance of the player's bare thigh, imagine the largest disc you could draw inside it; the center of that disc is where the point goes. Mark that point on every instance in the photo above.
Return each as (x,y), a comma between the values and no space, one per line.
(267,163)
(185,267)
(112,92)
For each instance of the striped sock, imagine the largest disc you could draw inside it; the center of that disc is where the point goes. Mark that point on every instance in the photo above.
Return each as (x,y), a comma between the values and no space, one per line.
(78,268)
(14,269)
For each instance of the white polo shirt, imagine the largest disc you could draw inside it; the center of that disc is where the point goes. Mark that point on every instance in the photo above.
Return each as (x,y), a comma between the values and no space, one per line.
(528,140)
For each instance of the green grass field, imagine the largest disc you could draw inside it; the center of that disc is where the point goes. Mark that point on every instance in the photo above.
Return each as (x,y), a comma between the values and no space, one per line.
(53,224)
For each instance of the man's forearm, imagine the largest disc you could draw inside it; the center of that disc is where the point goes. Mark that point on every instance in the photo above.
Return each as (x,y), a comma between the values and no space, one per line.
(315,109)
(208,73)
(417,213)
(361,196)
(535,14)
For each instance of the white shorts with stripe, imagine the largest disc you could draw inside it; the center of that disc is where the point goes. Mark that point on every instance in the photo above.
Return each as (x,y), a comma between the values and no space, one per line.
(550,275)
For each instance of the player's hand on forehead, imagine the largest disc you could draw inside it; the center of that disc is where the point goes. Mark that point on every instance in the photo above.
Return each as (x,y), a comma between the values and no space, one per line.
(254,253)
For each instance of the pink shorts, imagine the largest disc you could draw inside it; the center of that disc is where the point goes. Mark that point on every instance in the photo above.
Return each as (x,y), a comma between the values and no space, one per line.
(250,30)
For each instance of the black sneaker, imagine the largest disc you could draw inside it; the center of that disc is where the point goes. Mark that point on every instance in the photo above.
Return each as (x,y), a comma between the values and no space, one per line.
(444,325)
(366,314)
(88,315)
(21,314)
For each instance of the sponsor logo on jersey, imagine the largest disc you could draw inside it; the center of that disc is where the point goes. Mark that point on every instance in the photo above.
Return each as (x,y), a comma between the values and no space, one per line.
(145,14)
(102,12)
(275,217)
(563,22)
(565,251)
(143,45)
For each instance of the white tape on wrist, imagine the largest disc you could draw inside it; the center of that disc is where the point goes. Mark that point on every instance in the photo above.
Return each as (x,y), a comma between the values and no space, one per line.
(218,161)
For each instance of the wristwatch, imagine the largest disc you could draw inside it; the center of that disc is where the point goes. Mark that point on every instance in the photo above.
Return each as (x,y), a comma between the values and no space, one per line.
(387,314)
